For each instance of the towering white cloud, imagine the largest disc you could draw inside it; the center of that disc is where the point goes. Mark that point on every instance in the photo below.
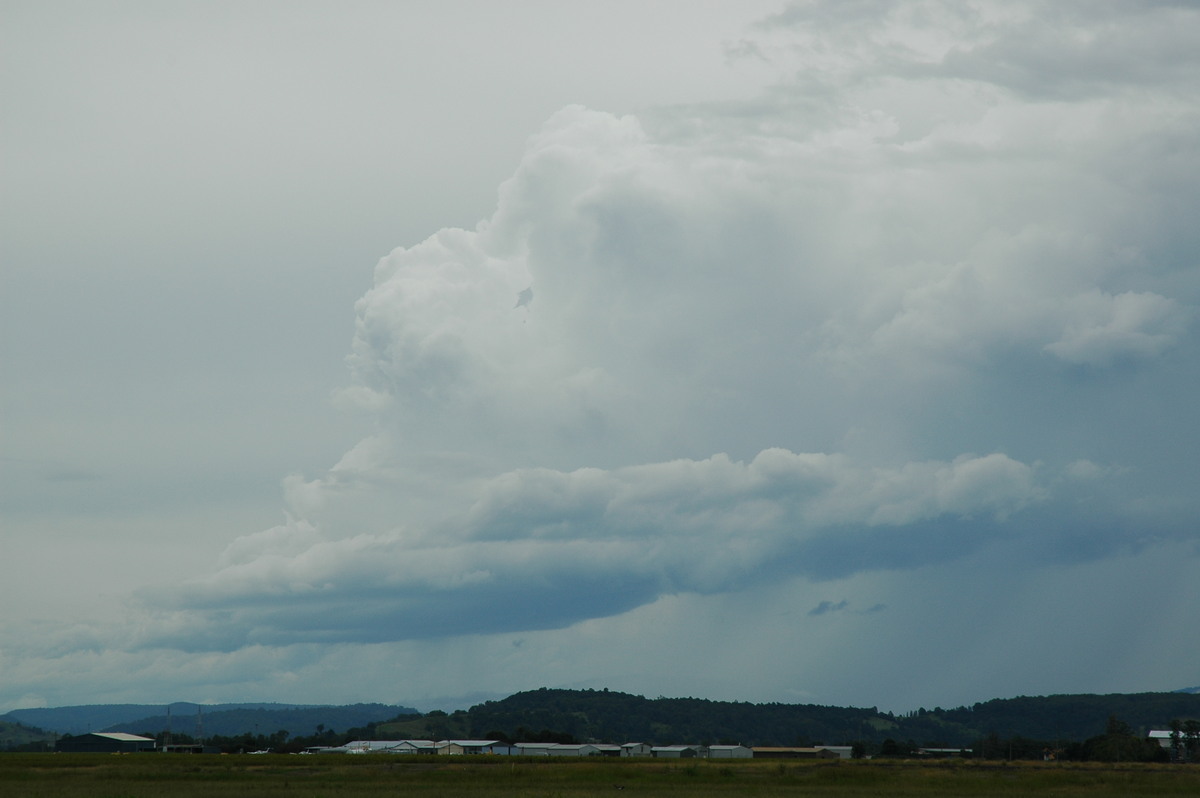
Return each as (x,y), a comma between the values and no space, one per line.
(719,288)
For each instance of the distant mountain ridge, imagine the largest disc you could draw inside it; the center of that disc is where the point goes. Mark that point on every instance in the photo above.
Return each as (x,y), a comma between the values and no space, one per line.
(84,718)
(297,721)
(217,718)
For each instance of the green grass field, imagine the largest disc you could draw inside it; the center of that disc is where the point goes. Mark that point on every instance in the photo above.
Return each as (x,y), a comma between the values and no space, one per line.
(184,776)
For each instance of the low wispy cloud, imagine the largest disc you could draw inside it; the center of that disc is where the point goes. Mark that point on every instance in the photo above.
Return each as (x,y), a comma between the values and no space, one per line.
(545,549)
(828,606)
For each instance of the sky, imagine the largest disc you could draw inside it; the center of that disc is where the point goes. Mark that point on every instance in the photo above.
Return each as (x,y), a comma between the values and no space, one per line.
(813,352)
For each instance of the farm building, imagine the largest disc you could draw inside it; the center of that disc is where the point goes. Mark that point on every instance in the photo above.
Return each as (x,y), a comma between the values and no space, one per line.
(781,752)
(843,751)
(366,747)
(729,752)
(464,747)
(104,743)
(448,747)
(944,752)
(532,749)
(675,751)
(1162,737)
(571,749)
(564,749)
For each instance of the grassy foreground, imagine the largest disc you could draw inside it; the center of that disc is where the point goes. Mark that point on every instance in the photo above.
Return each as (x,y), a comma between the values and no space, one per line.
(345,776)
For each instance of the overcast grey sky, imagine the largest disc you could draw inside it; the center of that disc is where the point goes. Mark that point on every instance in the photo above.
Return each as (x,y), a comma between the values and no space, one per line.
(826,352)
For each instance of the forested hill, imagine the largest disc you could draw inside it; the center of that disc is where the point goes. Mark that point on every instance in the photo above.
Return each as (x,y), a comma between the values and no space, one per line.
(620,717)
(14,735)
(1074,716)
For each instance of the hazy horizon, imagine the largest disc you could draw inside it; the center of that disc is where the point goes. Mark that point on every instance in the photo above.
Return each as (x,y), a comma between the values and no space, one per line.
(467,701)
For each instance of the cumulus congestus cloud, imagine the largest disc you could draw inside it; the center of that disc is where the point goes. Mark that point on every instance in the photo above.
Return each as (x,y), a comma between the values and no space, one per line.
(868,322)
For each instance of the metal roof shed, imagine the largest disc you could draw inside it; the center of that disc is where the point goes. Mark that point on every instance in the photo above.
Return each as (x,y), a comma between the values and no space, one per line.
(104,743)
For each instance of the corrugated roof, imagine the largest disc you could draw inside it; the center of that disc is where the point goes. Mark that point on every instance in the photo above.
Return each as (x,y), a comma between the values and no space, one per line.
(369,745)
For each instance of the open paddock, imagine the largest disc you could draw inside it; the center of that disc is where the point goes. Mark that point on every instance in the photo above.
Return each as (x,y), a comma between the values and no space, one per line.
(343,776)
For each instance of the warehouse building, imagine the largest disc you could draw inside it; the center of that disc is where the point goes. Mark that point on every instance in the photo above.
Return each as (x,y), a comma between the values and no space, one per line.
(104,743)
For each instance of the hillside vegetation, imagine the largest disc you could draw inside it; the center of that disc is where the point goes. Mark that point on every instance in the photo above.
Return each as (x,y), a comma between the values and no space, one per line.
(17,735)
(620,717)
